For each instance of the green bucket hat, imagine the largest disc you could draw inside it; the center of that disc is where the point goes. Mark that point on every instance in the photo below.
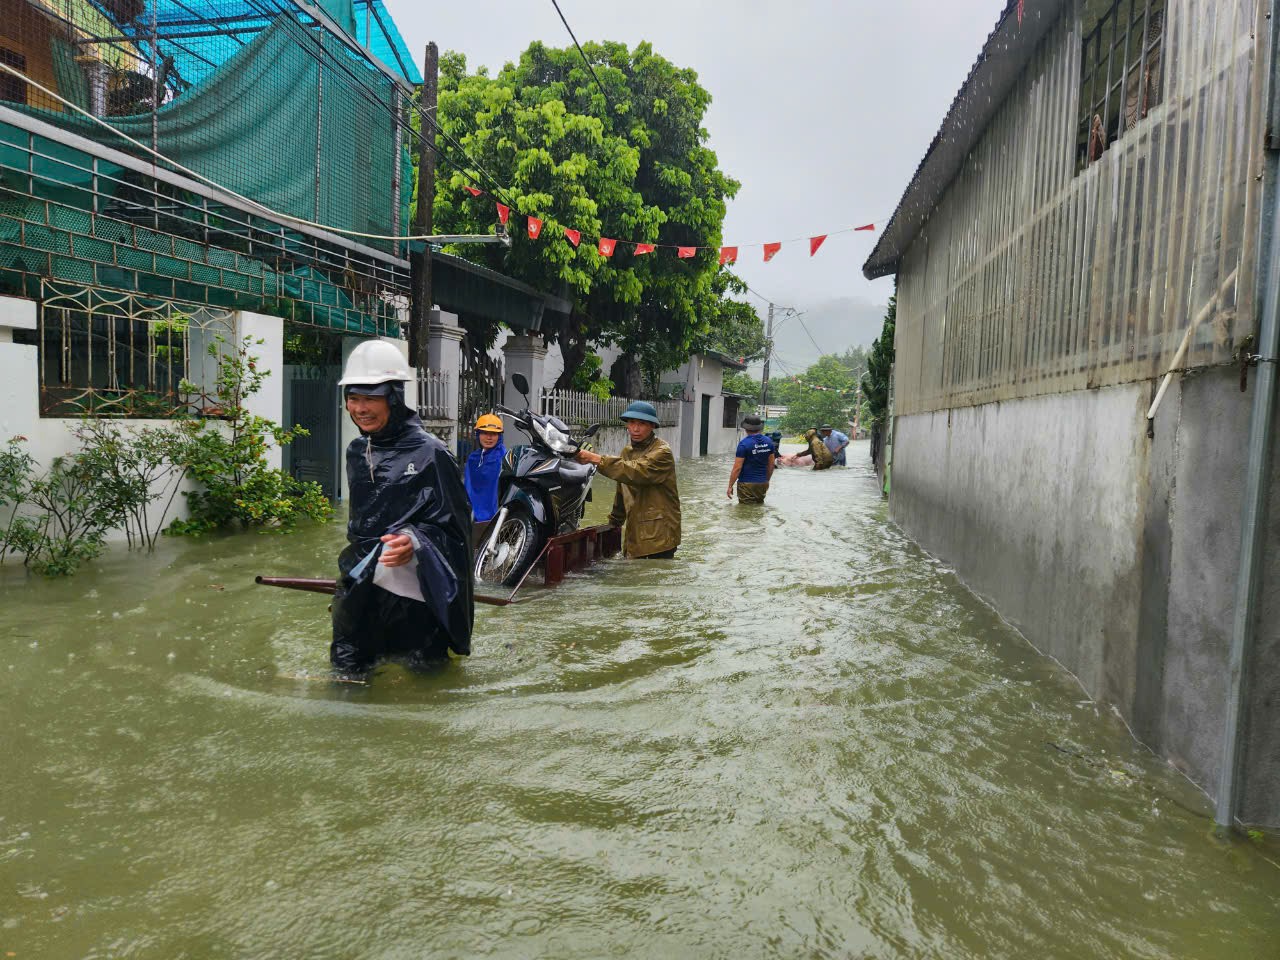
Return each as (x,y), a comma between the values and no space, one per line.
(640,410)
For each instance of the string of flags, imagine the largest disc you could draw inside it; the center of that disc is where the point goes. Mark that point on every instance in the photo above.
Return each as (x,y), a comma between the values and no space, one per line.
(815,386)
(606,246)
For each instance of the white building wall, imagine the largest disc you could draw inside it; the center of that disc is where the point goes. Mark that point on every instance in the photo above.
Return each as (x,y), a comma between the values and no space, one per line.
(50,437)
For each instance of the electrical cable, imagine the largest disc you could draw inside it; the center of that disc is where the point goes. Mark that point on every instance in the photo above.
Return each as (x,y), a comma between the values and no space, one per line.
(556,4)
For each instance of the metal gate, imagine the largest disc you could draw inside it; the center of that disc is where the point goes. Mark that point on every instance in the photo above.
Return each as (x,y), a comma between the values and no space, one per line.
(480,380)
(314,404)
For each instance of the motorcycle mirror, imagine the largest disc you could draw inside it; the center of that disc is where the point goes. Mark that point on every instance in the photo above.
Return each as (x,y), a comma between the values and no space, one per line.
(591,431)
(521,384)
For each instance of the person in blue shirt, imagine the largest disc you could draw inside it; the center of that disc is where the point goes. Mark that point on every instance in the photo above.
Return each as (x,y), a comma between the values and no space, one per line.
(484,464)
(753,466)
(835,442)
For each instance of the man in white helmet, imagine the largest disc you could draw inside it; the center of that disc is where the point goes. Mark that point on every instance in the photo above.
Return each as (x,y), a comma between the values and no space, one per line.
(405,584)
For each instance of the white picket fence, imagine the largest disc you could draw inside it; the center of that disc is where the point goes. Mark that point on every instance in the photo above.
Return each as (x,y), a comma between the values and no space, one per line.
(576,407)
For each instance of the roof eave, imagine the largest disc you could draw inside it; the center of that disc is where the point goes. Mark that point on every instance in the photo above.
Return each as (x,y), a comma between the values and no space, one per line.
(1008,48)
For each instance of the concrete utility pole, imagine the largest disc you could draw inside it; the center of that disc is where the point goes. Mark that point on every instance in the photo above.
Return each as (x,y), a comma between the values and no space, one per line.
(423,220)
(768,352)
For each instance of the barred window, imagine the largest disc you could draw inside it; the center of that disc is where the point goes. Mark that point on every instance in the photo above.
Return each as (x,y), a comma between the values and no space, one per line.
(730,418)
(113,354)
(1120,60)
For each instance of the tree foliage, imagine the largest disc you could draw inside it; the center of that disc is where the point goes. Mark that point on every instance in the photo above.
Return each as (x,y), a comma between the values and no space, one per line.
(633,167)
(875,384)
(237,485)
(743,383)
(812,407)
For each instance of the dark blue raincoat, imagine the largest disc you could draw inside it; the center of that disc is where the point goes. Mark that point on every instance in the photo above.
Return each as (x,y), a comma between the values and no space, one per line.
(402,478)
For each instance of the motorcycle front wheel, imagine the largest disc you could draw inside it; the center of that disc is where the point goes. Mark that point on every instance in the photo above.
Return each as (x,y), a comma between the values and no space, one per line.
(514,550)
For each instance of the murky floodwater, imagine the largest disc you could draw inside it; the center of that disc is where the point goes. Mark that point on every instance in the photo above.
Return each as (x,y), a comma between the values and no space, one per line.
(800,739)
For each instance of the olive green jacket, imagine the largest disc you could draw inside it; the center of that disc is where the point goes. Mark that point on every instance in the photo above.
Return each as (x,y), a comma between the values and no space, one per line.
(648,500)
(822,458)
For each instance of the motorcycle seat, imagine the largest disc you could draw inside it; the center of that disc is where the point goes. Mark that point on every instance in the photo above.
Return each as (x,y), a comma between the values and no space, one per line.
(574,472)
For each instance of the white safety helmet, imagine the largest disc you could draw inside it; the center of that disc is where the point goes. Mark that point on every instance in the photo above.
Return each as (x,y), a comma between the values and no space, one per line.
(374,361)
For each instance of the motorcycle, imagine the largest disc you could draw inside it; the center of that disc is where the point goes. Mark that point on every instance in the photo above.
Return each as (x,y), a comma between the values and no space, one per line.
(542,492)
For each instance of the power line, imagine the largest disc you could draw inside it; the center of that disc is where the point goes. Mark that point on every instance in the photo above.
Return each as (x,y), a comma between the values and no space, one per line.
(556,4)
(821,352)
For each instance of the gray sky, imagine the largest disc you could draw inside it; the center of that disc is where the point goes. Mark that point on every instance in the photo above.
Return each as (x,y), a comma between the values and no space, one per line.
(821,108)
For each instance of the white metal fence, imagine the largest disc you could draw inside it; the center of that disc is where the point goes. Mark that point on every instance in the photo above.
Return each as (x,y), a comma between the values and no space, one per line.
(576,407)
(433,396)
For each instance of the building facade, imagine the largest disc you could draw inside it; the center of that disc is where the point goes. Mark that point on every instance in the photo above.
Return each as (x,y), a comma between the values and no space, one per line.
(1093,214)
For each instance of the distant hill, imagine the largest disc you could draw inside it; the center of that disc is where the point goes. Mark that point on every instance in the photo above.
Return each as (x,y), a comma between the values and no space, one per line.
(835,324)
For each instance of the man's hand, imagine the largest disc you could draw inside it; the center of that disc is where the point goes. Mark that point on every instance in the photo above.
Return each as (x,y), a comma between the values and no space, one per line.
(729,492)
(586,456)
(398,550)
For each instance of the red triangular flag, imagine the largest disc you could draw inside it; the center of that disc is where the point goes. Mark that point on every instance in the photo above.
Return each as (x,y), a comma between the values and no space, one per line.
(535,227)
(606,246)
(643,248)
(770,249)
(573,236)
(474,191)
(685,252)
(866,226)
(815,243)
(728,255)
(504,213)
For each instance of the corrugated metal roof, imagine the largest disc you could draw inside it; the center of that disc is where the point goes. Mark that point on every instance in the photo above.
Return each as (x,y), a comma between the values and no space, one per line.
(1007,49)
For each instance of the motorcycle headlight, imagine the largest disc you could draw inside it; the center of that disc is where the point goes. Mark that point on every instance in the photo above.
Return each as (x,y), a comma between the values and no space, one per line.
(559,441)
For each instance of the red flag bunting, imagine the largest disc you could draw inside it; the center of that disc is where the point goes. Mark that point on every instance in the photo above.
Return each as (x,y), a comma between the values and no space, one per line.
(728,255)
(606,246)
(866,226)
(474,191)
(643,248)
(504,212)
(685,253)
(815,243)
(770,249)
(535,228)
(573,236)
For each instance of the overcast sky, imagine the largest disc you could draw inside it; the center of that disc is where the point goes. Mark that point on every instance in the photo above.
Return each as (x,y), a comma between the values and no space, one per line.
(821,108)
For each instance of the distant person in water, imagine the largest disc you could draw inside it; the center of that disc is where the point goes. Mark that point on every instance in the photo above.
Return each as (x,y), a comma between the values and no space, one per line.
(647,500)
(753,463)
(836,442)
(822,459)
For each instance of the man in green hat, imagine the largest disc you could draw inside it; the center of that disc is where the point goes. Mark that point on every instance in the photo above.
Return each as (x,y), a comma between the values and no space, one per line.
(647,501)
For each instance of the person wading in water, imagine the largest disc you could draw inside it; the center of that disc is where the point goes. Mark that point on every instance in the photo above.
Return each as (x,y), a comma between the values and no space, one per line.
(753,463)
(647,501)
(405,586)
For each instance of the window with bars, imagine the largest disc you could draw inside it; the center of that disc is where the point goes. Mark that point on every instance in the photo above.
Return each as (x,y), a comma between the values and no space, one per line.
(1120,75)
(111,354)
(730,418)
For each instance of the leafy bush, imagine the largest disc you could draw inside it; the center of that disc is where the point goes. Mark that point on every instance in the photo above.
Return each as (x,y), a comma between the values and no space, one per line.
(228,456)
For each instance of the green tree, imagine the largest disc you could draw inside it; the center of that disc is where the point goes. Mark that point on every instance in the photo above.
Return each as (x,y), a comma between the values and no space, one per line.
(825,395)
(634,167)
(228,456)
(745,384)
(875,383)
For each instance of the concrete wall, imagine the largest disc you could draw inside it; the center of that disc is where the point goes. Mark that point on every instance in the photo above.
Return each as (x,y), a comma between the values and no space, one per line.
(1114,553)
(50,437)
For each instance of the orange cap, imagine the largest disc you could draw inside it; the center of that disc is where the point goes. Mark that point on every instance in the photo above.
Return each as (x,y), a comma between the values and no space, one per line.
(489,423)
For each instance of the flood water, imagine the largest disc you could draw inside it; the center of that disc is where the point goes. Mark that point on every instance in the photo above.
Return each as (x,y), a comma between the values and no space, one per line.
(801,738)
